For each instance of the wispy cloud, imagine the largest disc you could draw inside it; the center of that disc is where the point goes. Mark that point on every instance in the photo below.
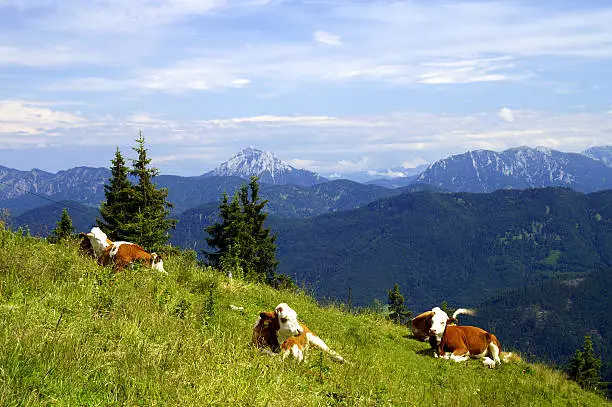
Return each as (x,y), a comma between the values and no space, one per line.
(326,38)
(468,71)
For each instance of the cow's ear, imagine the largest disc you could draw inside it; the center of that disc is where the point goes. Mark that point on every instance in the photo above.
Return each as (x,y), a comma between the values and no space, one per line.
(452,321)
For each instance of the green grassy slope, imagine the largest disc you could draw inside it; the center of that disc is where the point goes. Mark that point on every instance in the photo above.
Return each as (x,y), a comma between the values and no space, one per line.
(74,333)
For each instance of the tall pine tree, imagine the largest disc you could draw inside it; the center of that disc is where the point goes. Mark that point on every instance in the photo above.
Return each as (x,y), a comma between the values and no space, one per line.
(149,207)
(584,367)
(241,240)
(116,210)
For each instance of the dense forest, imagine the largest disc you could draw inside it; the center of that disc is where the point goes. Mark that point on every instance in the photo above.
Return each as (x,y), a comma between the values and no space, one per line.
(462,248)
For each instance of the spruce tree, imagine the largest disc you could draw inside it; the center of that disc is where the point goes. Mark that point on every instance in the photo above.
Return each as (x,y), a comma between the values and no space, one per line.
(63,229)
(149,207)
(116,210)
(241,237)
(584,367)
(224,235)
(397,310)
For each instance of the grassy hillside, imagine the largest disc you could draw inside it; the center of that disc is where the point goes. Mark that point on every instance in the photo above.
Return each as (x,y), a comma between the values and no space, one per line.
(74,333)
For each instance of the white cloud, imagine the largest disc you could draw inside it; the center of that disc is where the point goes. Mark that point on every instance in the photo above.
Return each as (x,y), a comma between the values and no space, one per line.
(276,121)
(29,118)
(468,71)
(326,38)
(506,114)
(325,144)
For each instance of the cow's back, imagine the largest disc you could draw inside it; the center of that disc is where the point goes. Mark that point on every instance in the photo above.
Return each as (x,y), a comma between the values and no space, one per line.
(474,339)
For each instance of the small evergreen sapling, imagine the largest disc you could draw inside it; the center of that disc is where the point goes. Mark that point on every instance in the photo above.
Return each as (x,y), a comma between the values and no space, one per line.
(397,310)
(63,229)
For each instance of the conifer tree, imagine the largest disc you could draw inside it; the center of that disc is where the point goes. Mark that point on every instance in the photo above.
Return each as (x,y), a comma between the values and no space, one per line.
(224,235)
(63,229)
(149,207)
(397,310)
(116,210)
(584,366)
(241,236)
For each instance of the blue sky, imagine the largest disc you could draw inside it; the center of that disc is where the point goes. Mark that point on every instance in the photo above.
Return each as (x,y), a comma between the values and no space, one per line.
(331,86)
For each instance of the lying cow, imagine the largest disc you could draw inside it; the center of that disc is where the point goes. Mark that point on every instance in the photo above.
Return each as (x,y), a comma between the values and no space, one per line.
(123,254)
(463,342)
(280,330)
(430,324)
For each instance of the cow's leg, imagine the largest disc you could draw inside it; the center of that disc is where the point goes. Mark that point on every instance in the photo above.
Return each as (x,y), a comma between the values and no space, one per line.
(460,355)
(318,343)
(494,350)
(294,351)
(487,361)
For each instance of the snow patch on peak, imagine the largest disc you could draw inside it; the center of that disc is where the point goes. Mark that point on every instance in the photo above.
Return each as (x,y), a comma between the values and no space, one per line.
(252,161)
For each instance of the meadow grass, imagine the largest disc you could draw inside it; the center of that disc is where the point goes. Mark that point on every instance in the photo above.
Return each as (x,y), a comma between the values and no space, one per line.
(74,333)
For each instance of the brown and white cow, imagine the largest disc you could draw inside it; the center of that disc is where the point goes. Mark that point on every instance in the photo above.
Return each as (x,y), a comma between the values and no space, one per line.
(281,330)
(431,324)
(123,254)
(459,343)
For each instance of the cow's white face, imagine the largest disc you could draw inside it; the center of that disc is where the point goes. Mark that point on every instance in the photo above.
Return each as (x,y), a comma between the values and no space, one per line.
(438,323)
(157,263)
(287,320)
(98,240)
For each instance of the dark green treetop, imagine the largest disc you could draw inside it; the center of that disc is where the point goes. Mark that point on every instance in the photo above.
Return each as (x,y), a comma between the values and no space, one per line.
(149,223)
(116,211)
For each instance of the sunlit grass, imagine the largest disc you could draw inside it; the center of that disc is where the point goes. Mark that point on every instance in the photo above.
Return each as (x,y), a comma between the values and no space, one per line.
(74,333)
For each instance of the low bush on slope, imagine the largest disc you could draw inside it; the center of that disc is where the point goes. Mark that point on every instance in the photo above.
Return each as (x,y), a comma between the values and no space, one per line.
(74,333)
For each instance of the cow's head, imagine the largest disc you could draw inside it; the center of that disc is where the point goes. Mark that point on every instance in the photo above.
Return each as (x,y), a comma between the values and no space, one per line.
(287,321)
(157,263)
(265,330)
(98,239)
(439,320)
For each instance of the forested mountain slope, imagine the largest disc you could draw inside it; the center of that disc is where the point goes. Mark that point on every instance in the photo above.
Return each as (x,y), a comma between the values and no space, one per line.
(460,247)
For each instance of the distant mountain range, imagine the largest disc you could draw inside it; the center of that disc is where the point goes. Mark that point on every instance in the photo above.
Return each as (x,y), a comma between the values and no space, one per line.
(518,168)
(473,171)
